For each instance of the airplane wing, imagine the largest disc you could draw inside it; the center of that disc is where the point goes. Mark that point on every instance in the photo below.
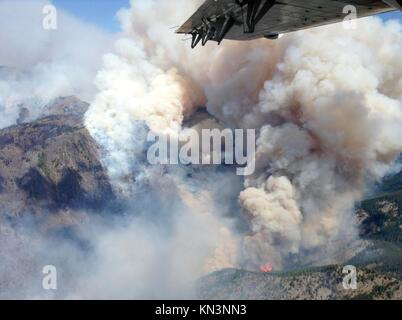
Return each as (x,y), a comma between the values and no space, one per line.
(250,19)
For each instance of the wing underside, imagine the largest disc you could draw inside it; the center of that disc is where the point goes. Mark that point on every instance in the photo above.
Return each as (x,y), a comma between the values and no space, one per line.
(250,19)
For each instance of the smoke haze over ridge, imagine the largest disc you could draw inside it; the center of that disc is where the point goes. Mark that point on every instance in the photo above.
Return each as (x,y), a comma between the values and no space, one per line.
(326,104)
(38,65)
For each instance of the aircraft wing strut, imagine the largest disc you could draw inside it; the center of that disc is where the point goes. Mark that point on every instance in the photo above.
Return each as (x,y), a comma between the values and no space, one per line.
(217,20)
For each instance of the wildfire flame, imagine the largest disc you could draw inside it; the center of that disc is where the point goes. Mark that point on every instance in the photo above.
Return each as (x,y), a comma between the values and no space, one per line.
(267,268)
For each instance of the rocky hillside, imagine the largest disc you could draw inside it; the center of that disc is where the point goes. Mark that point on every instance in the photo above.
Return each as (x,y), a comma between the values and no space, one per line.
(381,217)
(319,283)
(52,164)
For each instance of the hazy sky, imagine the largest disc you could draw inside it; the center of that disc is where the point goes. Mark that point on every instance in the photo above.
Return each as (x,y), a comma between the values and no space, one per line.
(102,12)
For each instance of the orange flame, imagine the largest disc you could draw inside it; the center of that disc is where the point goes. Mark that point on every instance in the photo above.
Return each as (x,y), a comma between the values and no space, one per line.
(267,268)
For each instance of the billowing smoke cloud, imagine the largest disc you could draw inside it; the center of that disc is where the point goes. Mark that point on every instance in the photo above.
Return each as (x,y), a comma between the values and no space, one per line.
(38,65)
(326,103)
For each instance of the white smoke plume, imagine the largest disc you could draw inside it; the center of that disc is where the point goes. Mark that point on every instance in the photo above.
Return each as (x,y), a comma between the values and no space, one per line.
(326,103)
(38,65)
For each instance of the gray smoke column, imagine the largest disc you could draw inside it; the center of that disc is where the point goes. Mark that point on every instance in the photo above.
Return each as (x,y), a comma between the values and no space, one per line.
(326,104)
